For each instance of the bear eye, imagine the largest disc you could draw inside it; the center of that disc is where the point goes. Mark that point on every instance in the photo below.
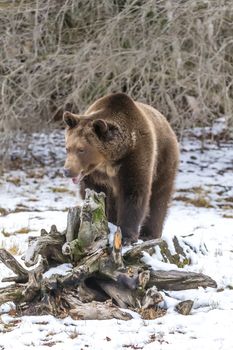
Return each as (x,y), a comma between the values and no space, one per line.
(80,150)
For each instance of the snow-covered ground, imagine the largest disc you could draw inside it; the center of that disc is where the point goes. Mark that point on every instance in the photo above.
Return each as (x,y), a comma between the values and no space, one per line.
(201,215)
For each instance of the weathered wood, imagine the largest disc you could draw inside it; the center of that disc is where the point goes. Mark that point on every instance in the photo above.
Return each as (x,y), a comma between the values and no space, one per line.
(119,294)
(99,272)
(13,265)
(35,280)
(135,254)
(39,296)
(73,223)
(96,311)
(136,298)
(48,245)
(93,228)
(12,293)
(69,305)
(93,221)
(179,280)
(21,292)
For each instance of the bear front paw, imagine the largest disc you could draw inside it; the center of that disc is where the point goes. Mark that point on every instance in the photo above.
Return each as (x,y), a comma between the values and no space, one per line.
(129,237)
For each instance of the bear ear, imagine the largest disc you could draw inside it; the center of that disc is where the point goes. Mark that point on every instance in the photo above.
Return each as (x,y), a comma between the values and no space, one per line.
(100,127)
(70,119)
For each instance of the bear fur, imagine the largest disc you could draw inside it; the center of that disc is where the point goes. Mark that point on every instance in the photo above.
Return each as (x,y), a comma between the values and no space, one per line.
(127,150)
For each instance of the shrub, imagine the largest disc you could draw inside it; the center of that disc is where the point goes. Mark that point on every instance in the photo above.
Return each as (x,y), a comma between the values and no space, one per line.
(176,55)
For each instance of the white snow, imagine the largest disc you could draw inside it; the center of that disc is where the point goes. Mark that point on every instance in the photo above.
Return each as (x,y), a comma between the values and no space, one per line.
(205,233)
(62,269)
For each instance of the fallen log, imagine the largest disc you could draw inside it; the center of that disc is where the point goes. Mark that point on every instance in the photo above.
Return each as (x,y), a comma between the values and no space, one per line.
(100,272)
(180,280)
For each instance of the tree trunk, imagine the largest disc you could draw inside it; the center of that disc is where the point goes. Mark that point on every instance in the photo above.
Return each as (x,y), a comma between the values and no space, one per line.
(100,272)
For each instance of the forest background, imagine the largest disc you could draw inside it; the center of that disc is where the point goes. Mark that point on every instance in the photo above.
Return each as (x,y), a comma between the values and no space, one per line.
(176,55)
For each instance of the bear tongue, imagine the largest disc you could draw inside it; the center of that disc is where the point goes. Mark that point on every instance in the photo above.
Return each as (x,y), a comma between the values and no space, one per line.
(77,179)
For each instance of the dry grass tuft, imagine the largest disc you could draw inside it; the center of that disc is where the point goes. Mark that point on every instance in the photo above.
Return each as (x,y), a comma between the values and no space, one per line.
(14,250)
(176,55)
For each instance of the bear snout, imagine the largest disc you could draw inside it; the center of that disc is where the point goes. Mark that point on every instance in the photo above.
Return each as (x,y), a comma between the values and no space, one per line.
(66,172)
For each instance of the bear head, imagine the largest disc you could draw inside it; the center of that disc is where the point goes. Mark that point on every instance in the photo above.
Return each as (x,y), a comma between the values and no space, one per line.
(91,144)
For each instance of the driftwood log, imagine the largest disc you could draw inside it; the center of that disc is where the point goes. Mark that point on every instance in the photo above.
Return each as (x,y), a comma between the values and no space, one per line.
(102,279)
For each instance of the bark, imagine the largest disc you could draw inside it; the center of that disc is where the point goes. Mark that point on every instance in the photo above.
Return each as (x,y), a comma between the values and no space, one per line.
(180,280)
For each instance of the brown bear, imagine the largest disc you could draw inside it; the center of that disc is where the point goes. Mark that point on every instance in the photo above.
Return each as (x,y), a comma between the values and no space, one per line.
(127,150)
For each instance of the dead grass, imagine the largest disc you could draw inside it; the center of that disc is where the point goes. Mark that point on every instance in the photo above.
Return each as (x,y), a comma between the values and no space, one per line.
(73,334)
(173,54)
(225,199)
(152,313)
(24,230)
(21,207)
(228,216)
(196,196)
(14,180)
(226,206)
(14,250)
(59,189)
(10,326)
(5,233)
(3,212)
(199,201)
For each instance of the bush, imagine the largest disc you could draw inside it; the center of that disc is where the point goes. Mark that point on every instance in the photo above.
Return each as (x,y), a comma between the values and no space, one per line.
(176,55)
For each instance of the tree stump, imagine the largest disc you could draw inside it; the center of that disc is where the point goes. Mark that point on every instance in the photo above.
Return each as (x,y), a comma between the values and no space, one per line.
(102,279)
